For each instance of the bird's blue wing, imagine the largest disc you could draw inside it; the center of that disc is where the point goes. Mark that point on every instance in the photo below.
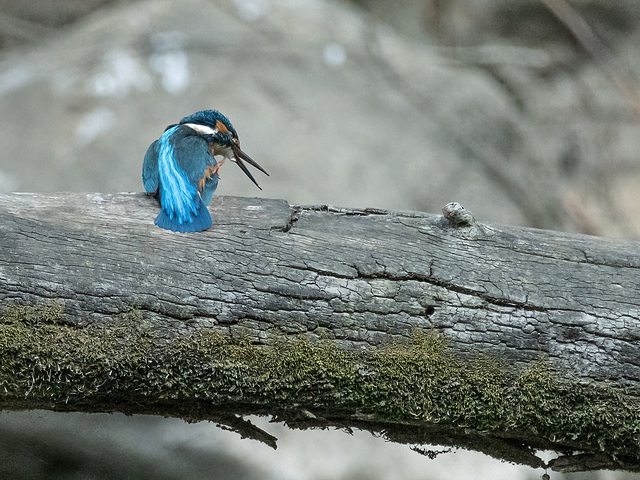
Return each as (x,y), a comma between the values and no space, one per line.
(150,176)
(192,156)
(183,159)
(210,185)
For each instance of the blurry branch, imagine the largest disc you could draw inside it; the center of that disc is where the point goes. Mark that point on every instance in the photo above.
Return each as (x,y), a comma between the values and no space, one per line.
(21,29)
(426,329)
(505,169)
(586,37)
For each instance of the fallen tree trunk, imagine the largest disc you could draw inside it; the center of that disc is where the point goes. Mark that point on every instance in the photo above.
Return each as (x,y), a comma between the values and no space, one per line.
(425,328)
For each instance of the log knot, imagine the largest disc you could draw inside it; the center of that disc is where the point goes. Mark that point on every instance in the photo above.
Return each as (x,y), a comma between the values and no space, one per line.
(457,215)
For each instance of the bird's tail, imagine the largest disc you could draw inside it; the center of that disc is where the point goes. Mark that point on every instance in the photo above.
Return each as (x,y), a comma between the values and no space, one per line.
(197,222)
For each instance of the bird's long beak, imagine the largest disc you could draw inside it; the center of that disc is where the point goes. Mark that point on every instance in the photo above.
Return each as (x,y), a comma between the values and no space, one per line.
(239,156)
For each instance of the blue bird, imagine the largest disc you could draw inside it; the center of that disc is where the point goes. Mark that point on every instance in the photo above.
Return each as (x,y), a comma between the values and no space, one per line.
(180,169)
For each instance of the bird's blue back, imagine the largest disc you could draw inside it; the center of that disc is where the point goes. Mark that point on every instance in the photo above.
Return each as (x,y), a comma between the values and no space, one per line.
(173,167)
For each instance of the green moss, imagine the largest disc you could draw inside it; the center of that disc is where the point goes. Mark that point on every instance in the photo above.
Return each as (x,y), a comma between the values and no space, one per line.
(43,314)
(425,381)
(418,382)
(42,357)
(567,411)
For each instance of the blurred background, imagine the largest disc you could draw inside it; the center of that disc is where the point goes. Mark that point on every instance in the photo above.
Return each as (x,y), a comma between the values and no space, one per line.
(526,112)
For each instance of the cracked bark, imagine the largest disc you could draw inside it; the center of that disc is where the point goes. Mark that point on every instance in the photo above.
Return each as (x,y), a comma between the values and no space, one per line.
(360,279)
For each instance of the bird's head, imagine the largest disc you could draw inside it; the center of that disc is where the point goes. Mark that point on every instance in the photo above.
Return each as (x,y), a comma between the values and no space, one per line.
(222,138)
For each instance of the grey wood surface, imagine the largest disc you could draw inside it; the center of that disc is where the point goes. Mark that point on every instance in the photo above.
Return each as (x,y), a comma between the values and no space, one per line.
(360,278)
(357,276)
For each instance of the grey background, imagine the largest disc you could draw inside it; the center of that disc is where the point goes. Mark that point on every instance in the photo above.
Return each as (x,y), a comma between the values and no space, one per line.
(397,105)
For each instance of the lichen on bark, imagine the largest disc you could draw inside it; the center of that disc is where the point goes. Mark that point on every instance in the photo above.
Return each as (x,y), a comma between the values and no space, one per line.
(416,391)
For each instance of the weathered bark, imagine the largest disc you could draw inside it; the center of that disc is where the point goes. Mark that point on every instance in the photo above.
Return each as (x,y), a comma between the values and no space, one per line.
(428,329)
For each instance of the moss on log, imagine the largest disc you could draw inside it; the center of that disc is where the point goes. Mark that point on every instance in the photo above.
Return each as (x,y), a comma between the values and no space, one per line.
(416,391)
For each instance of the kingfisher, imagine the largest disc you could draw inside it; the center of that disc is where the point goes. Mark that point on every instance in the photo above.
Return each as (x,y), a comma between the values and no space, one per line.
(181,171)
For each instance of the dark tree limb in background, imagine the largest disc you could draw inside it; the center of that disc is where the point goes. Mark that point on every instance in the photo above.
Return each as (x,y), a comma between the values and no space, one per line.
(424,328)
